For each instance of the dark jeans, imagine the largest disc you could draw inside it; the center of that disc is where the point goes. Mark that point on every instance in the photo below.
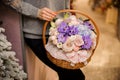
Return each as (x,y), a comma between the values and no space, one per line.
(64,74)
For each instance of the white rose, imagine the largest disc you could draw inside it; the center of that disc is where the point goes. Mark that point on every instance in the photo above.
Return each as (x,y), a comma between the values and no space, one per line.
(58,21)
(73,18)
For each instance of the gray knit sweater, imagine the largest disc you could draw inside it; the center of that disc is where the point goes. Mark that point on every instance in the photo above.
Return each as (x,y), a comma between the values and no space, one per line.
(32,27)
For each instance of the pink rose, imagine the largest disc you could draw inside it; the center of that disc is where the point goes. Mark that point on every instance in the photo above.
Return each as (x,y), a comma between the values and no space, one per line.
(78,40)
(68,46)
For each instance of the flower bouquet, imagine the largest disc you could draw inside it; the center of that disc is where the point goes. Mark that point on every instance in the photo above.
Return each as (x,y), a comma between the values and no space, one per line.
(72,41)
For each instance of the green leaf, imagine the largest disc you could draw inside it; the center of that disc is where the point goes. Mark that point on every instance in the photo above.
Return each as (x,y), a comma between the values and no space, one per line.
(66,15)
(52,24)
(81,18)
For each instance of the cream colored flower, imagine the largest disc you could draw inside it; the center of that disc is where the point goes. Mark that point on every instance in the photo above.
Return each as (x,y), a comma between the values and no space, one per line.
(58,21)
(73,23)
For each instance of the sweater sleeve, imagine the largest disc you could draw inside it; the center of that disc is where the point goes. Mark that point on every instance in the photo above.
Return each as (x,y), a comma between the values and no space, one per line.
(67,4)
(22,7)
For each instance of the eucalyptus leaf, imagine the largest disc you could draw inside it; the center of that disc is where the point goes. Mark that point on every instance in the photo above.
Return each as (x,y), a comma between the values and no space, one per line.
(52,24)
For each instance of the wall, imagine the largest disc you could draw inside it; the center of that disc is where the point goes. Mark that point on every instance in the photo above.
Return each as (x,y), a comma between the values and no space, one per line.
(11,23)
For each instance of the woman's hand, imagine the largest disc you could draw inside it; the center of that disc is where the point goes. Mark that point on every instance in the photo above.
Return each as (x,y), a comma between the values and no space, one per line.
(46,14)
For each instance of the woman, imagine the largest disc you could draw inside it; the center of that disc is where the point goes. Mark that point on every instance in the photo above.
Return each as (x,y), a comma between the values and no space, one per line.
(36,12)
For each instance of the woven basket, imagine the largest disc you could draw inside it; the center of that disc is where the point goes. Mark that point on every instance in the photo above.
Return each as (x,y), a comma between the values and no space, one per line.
(62,63)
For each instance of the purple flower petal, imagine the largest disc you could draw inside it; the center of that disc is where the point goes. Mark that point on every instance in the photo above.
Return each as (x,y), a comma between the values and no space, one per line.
(87,42)
(88,24)
(73,30)
(61,38)
(63,27)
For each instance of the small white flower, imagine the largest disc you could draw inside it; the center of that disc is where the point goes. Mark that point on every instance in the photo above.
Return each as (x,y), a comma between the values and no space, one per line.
(59,45)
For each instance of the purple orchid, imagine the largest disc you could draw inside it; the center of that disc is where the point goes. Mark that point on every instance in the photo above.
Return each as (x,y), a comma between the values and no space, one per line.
(61,38)
(88,24)
(73,30)
(87,42)
(67,30)
(63,27)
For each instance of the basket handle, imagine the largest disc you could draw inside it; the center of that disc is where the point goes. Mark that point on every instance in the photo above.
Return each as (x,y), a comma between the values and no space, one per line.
(73,11)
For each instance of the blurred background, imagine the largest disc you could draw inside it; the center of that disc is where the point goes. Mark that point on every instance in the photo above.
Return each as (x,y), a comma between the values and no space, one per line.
(105,63)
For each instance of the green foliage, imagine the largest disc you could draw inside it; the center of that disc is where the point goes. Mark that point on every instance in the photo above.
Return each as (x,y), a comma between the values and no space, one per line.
(66,15)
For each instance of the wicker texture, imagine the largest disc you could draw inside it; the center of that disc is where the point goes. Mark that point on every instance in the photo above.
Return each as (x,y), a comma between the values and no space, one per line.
(62,63)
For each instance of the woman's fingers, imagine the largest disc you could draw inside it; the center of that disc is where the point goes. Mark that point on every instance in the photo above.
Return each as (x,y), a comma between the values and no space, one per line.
(46,17)
(46,14)
(50,11)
